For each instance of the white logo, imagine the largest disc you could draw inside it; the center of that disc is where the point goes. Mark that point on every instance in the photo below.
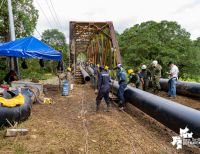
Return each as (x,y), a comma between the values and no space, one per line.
(185,138)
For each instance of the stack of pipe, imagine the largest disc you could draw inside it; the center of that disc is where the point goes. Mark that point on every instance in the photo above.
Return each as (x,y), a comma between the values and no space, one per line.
(167,112)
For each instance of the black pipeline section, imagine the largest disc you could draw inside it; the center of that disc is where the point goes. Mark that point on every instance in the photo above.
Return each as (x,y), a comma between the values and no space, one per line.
(169,113)
(85,74)
(183,88)
(18,113)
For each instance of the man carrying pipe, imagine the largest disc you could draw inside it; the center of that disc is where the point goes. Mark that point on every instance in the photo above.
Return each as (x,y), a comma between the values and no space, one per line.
(121,77)
(103,87)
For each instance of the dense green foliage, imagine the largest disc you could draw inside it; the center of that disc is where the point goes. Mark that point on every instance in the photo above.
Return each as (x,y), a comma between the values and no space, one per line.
(25,18)
(164,41)
(34,71)
(57,40)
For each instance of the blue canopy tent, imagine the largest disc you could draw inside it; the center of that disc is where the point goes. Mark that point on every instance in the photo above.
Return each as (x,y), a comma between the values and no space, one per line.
(29,47)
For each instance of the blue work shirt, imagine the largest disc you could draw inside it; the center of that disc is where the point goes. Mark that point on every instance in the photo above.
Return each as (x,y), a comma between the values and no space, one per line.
(121,76)
(104,81)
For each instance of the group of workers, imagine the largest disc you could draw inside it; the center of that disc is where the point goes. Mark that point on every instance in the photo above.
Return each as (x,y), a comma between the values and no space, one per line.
(147,76)
(102,81)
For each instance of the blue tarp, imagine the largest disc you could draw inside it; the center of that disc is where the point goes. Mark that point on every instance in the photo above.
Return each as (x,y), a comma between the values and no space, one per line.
(29,47)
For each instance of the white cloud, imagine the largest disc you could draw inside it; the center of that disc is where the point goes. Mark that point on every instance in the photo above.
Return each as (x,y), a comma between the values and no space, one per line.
(124,13)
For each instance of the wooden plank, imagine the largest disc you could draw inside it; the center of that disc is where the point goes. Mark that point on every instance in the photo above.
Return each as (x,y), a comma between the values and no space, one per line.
(14,132)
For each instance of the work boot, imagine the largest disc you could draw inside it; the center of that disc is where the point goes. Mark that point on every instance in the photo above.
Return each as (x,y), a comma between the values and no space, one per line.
(121,108)
(97,105)
(107,108)
(97,108)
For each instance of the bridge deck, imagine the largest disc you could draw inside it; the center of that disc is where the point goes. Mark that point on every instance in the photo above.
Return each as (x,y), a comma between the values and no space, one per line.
(71,125)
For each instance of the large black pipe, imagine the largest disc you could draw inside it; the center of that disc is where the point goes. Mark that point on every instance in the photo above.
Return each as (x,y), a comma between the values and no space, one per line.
(85,74)
(183,88)
(18,113)
(169,113)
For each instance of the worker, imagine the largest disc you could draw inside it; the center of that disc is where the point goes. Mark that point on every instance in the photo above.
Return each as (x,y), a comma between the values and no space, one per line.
(11,76)
(146,74)
(155,75)
(60,67)
(135,79)
(173,77)
(103,88)
(131,82)
(121,77)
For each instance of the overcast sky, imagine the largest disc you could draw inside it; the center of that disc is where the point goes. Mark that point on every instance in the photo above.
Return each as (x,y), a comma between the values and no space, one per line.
(123,13)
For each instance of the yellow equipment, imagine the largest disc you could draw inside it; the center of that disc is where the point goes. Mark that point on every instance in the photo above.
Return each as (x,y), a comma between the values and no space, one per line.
(69,69)
(12,102)
(106,67)
(130,71)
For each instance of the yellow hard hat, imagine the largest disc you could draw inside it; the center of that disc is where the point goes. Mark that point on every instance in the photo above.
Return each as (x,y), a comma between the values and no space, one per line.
(98,65)
(130,71)
(69,69)
(106,67)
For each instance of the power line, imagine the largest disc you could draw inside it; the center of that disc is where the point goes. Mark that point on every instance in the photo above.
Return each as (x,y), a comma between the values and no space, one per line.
(56,14)
(44,14)
(38,32)
(52,13)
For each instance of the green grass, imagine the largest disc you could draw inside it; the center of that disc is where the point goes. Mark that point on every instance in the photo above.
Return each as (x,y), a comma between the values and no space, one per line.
(19,149)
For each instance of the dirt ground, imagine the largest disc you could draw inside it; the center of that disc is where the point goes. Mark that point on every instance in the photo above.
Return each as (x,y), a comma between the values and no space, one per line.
(188,101)
(72,126)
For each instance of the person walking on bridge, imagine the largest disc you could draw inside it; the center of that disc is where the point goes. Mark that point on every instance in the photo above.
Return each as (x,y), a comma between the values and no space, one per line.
(103,87)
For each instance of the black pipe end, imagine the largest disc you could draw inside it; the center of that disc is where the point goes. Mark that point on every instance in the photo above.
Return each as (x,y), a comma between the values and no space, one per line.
(87,78)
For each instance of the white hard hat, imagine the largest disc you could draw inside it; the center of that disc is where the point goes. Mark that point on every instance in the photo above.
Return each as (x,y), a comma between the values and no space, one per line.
(143,67)
(155,62)
(119,65)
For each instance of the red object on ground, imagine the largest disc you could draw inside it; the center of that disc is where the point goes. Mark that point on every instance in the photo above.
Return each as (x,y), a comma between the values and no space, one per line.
(6,87)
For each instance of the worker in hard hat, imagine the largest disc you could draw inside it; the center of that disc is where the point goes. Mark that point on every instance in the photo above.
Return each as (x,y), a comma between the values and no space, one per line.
(106,68)
(121,77)
(135,78)
(146,75)
(130,77)
(103,87)
(155,69)
(69,69)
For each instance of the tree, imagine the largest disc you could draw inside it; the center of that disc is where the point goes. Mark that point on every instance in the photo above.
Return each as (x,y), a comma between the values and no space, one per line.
(164,41)
(25,19)
(57,40)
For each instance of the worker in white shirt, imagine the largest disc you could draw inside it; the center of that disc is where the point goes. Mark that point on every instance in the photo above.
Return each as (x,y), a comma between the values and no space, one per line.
(173,77)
